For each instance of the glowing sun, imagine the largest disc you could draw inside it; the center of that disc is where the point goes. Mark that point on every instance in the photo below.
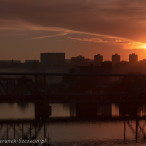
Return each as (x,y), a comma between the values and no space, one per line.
(144,46)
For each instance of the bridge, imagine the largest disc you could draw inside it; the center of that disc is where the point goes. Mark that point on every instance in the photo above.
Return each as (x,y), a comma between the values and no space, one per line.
(32,86)
(18,87)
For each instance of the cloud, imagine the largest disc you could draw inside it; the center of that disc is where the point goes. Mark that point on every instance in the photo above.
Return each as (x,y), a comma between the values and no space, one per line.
(94,40)
(50,36)
(120,18)
(111,40)
(97,38)
(22,28)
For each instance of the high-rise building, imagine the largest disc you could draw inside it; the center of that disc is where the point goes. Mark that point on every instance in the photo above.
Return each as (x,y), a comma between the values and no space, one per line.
(78,60)
(52,58)
(133,58)
(98,59)
(115,59)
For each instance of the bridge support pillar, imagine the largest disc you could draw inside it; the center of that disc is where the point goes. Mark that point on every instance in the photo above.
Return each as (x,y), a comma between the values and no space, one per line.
(42,110)
(86,110)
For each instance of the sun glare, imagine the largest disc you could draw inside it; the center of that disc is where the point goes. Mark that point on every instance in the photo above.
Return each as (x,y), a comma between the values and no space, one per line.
(144,46)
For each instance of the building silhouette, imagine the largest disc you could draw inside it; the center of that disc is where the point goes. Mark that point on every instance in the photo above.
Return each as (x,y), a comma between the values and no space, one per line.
(115,59)
(52,59)
(32,61)
(81,61)
(98,59)
(78,60)
(133,58)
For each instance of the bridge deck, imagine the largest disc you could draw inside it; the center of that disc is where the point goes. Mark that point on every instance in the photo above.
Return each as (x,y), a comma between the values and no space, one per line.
(68,74)
(72,119)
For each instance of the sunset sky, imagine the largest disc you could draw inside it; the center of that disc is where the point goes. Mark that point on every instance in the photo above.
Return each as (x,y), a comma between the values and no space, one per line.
(87,27)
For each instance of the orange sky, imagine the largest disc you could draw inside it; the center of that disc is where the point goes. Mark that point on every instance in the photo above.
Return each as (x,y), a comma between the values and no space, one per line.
(84,27)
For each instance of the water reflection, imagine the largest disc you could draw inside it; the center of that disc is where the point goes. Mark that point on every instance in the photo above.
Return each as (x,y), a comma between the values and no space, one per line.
(97,110)
(15,111)
(52,110)
(75,124)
